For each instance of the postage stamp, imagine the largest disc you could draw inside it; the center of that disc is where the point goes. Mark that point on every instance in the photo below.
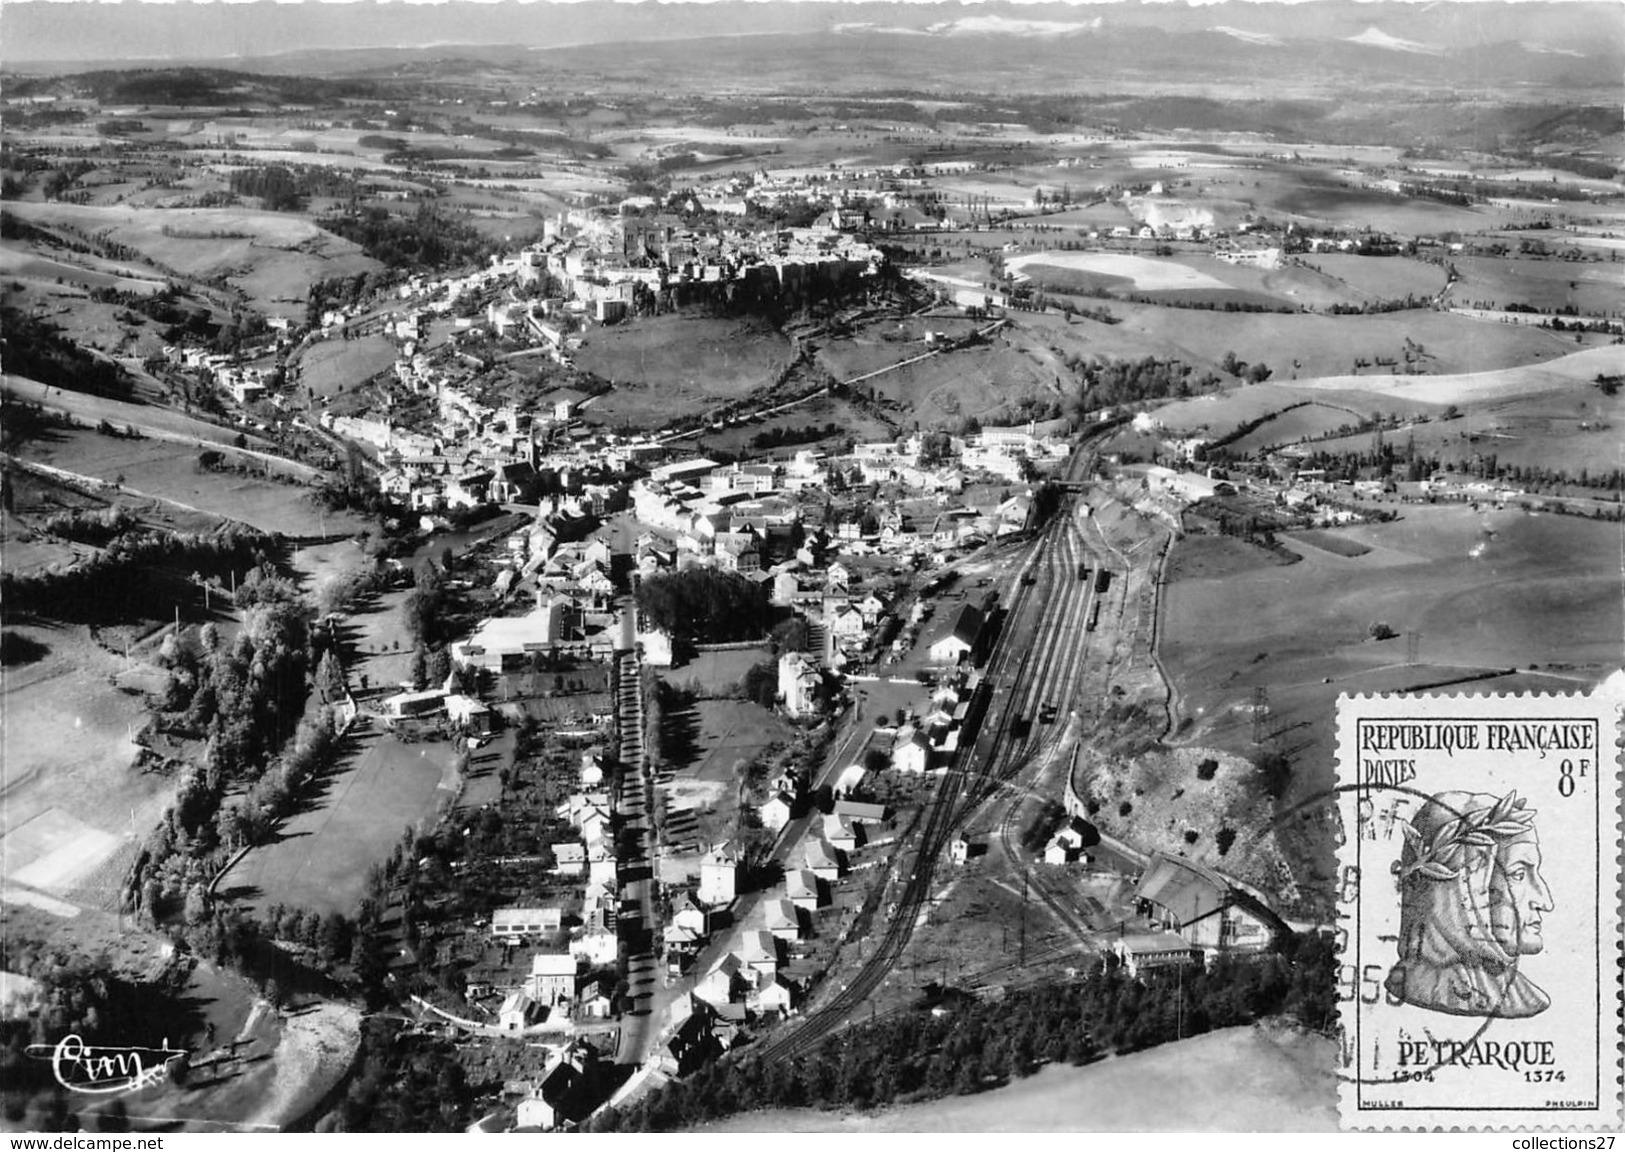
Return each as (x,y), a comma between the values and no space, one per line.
(1479,897)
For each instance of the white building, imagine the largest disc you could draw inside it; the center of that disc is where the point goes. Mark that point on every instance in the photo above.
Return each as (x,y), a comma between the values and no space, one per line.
(719,876)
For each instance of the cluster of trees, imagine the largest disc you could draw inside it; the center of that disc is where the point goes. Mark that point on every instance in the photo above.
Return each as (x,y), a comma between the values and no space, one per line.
(1252,373)
(76,996)
(1107,383)
(785,437)
(425,239)
(90,527)
(1374,307)
(424,613)
(405,1085)
(976,1044)
(22,421)
(247,700)
(1404,461)
(1051,815)
(16,648)
(760,684)
(276,186)
(134,571)
(35,348)
(705,605)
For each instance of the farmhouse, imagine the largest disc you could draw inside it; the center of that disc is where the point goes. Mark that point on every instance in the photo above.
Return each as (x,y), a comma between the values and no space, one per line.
(470,714)
(801,888)
(820,859)
(518,1012)
(779,918)
(552,978)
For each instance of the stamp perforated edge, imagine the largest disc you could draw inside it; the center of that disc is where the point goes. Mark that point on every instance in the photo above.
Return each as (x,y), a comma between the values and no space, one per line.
(1611,694)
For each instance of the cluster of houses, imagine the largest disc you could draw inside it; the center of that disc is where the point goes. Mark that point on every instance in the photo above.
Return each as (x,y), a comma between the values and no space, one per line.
(886,197)
(743,979)
(552,993)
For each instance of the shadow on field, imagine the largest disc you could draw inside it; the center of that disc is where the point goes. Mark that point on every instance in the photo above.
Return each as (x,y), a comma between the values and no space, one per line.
(240,892)
(679,735)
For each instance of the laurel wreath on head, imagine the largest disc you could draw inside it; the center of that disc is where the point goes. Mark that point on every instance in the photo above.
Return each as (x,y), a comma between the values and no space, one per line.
(1445,853)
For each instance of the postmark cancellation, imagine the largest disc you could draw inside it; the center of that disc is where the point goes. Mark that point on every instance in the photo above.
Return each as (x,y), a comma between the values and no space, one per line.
(1479,911)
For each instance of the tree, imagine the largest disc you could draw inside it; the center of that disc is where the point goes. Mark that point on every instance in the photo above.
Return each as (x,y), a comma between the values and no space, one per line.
(791,635)
(761,683)
(439,665)
(1275,774)
(330,682)
(197,904)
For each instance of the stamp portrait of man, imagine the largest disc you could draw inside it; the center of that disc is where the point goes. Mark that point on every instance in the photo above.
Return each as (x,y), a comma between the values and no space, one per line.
(1471,903)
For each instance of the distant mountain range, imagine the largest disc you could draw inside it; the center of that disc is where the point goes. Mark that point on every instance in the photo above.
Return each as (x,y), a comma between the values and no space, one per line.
(991,45)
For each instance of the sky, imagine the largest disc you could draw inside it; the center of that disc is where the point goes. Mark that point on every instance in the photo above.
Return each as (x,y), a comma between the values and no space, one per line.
(142,30)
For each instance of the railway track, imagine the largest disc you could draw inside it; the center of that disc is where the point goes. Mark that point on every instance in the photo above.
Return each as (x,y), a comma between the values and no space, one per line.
(1031,670)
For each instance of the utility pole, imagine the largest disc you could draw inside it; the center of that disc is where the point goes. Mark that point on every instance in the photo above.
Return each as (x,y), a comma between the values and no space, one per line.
(1024,880)
(1179,1005)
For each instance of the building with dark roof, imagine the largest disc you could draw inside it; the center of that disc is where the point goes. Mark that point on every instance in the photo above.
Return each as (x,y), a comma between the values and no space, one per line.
(962,640)
(1202,907)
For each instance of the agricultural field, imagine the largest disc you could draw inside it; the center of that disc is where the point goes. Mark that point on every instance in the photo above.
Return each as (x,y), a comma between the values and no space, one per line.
(1591,288)
(1310,407)
(674,365)
(1204,557)
(34,498)
(1318,197)
(271,257)
(75,805)
(164,471)
(1371,278)
(1305,422)
(1238,1079)
(818,413)
(331,367)
(1551,584)
(709,742)
(318,858)
(1463,388)
(81,270)
(1300,346)
(715,672)
(1575,429)
(979,380)
(1118,270)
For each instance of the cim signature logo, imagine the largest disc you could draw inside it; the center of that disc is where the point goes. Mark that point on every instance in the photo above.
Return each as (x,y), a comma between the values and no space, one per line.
(104,1070)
